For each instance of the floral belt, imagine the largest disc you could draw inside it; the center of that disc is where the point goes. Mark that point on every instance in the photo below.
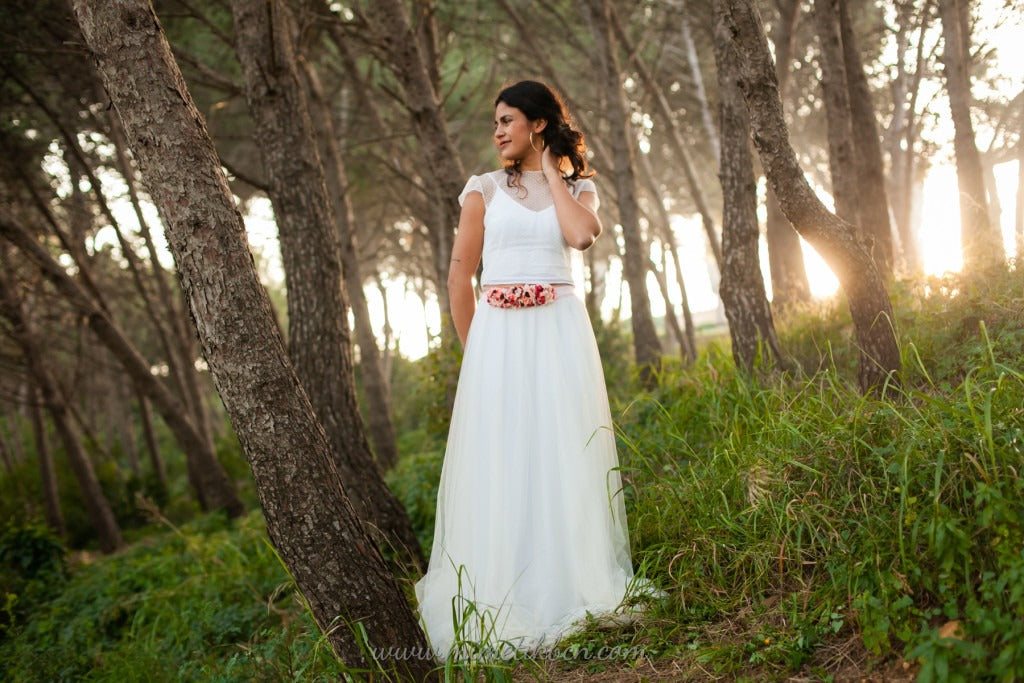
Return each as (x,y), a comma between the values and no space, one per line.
(520,296)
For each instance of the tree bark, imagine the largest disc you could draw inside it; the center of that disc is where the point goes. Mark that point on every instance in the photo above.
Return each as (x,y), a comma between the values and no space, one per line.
(874,200)
(785,254)
(214,489)
(178,340)
(835,239)
(318,332)
(646,346)
(751,328)
(310,519)
(375,384)
(979,239)
(96,504)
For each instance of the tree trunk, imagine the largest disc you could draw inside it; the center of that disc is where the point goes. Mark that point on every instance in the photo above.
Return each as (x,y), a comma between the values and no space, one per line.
(318,332)
(446,177)
(179,342)
(903,141)
(309,517)
(867,144)
(692,61)
(1019,218)
(47,472)
(688,342)
(96,504)
(785,255)
(675,135)
(646,346)
(979,239)
(375,384)
(149,436)
(751,328)
(214,489)
(835,239)
(5,455)
(842,159)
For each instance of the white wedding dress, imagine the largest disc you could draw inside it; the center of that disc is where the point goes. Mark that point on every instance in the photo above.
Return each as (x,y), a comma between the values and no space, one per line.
(531,530)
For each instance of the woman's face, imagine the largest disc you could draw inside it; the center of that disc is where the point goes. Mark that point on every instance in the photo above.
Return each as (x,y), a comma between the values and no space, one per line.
(512,132)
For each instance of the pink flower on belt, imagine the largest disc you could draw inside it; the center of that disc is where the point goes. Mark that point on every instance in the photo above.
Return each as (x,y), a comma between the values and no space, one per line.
(520,296)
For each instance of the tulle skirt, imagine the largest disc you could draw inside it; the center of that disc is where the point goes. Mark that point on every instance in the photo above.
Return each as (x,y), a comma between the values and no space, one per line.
(531,531)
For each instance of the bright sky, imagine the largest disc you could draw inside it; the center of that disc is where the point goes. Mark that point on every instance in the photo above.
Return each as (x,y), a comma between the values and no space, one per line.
(938,241)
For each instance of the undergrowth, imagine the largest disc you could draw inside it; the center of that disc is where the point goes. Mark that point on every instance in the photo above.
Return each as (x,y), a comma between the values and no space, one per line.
(797,527)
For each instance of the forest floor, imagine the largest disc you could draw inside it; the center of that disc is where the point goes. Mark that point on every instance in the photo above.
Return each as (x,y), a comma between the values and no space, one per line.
(800,530)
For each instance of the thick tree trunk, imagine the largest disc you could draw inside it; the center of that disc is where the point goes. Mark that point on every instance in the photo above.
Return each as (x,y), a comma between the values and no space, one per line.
(785,255)
(874,200)
(178,341)
(214,489)
(318,332)
(835,239)
(751,328)
(310,519)
(979,239)
(646,346)
(842,158)
(96,504)
(375,384)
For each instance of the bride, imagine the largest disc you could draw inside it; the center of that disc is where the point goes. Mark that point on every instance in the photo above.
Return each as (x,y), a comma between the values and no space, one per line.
(530,534)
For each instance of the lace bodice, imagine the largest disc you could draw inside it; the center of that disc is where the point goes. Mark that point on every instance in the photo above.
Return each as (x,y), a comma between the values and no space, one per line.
(522,239)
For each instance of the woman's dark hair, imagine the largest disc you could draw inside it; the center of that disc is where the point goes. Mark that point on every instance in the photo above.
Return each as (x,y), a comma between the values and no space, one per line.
(537,101)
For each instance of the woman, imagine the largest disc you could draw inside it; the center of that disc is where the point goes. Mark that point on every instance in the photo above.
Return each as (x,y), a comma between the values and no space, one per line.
(531,529)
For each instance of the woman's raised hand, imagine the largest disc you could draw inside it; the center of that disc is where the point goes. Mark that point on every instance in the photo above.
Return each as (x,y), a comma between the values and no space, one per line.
(551,164)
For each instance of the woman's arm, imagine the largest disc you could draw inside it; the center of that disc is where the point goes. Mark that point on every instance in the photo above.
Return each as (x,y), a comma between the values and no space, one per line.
(577,217)
(469,242)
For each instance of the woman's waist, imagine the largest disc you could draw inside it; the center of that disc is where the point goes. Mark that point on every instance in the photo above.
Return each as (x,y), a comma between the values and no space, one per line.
(534,291)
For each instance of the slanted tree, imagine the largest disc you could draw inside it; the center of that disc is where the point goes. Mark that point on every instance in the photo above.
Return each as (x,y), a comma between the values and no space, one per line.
(785,254)
(310,518)
(96,504)
(836,240)
(319,342)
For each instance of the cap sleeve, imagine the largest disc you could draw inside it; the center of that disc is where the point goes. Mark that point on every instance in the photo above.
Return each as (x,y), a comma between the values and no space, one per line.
(584,185)
(472,185)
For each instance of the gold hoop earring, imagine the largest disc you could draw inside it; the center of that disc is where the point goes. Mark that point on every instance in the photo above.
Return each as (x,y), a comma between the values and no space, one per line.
(534,147)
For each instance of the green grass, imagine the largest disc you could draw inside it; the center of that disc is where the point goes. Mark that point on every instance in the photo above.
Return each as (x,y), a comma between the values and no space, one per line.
(798,528)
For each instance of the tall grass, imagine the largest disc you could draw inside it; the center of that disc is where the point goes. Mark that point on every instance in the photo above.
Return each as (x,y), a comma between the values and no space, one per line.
(798,528)
(789,514)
